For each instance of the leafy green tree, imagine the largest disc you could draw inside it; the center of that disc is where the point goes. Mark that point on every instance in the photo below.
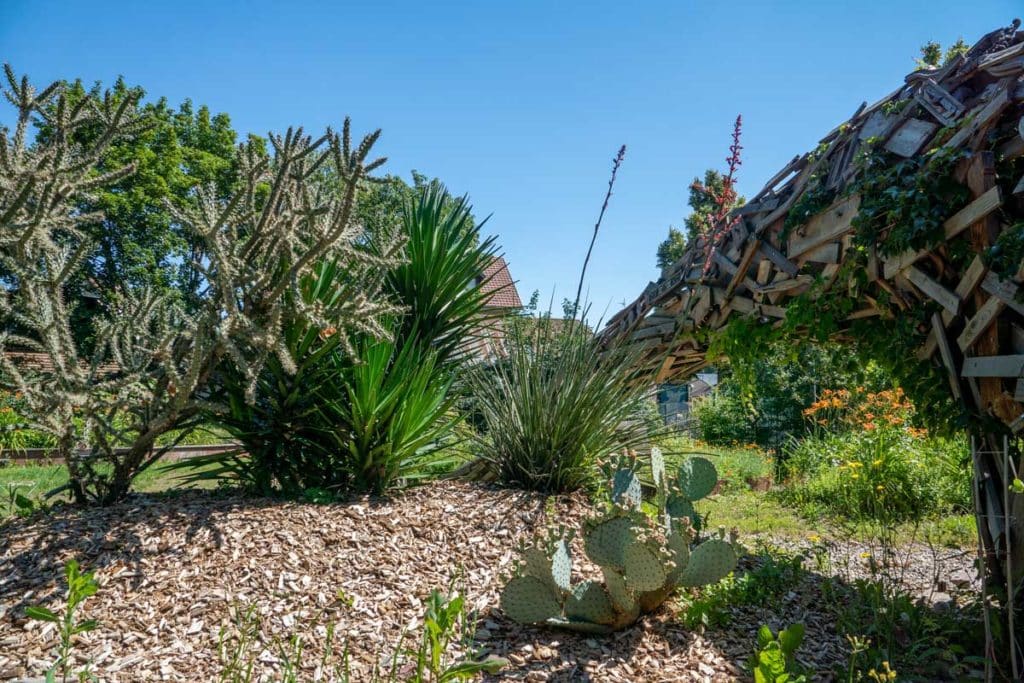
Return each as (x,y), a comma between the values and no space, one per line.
(703,206)
(932,55)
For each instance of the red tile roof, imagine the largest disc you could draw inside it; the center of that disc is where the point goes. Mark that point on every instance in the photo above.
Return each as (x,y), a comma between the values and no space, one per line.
(497,282)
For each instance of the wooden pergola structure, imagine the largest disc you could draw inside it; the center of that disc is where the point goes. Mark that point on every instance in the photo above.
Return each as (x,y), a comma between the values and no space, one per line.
(973,104)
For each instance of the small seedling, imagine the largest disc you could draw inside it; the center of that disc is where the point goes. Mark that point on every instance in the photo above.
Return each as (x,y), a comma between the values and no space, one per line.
(773,662)
(80,587)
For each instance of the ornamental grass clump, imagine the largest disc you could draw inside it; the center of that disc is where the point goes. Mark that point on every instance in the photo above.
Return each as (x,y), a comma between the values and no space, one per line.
(556,404)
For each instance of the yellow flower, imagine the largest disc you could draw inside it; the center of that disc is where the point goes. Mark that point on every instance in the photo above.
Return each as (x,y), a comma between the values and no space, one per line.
(865,555)
(855,476)
(879,488)
(814,538)
(876,462)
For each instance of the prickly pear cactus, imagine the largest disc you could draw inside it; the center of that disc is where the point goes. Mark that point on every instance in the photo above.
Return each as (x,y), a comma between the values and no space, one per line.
(642,560)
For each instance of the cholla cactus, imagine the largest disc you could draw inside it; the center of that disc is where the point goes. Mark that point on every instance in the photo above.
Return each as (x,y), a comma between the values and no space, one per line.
(152,362)
(642,561)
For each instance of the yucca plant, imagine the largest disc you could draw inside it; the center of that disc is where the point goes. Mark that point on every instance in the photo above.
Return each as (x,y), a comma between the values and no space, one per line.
(439,282)
(555,405)
(387,409)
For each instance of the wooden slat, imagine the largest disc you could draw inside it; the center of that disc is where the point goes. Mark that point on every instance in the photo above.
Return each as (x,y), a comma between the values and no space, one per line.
(981,119)
(993,366)
(744,265)
(825,227)
(779,259)
(826,253)
(1006,291)
(947,356)
(985,316)
(945,298)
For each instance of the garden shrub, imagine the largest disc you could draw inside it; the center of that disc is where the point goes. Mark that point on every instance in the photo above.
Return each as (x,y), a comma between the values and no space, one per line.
(366,411)
(865,459)
(722,419)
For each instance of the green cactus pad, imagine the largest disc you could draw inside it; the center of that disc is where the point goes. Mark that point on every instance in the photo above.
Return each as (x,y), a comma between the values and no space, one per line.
(590,602)
(606,541)
(710,562)
(697,478)
(658,467)
(678,544)
(678,507)
(626,489)
(536,563)
(622,598)
(561,567)
(643,569)
(529,600)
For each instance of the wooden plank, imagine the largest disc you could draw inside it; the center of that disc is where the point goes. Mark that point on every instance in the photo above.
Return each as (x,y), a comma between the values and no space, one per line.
(1018,391)
(993,366)
(981,119)
(826,253)
(1003,289)
(945,298)
(870,312)
(744,265)
(972,276)
(947,356)
(779,259)
(825,227)
(954,225)
(910,137)
(764,271)
(785,284)
(985,316)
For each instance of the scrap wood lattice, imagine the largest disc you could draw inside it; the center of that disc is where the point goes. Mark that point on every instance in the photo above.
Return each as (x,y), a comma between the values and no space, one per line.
(970,109)
(759,265)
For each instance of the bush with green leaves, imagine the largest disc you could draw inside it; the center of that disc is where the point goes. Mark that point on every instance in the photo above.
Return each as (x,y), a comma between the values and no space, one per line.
(642,560)
(554,406)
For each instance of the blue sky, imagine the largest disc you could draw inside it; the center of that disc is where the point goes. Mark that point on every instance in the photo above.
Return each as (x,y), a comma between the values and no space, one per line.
(520,104)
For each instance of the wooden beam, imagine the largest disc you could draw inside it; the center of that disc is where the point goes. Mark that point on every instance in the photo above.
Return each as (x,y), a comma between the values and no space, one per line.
(1005,290)
(945,298)
(825,227)
(993,366)
(985,316)
(779,259)
(744,265)
(947,356)
(972,276)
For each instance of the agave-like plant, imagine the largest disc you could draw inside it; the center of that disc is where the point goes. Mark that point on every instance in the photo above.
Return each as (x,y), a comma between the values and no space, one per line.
(554,405)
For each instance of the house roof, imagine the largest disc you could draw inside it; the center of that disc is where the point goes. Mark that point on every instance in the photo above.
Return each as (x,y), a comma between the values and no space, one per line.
(497,282)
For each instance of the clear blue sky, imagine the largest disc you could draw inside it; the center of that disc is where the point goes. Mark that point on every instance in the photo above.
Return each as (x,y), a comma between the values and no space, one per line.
(520,104)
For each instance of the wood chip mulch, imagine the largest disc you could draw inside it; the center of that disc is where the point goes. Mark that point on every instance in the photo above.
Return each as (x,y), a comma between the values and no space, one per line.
(174,569)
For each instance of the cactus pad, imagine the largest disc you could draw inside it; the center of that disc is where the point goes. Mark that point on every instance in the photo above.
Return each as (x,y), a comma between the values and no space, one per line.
(528,600)
(658,467)
(697,478)
(710,562)
(643,569)
(615,584)
(626,489)
(606,541)
(536,563)
(590,602)
(561,567)
(678,507)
